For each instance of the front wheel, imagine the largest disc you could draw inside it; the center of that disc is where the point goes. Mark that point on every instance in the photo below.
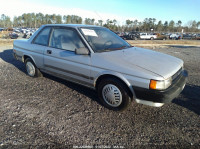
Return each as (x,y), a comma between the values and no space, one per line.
(114,94)
(31,69)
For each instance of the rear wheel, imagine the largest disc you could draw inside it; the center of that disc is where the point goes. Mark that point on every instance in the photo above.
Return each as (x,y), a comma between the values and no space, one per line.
(151,38)
(114,94)
(31,69)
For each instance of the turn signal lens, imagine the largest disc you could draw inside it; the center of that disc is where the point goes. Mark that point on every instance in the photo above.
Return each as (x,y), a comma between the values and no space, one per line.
(160,84)
(152,84)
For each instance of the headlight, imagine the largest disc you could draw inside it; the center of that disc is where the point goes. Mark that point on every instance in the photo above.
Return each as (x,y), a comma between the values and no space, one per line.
(160,85)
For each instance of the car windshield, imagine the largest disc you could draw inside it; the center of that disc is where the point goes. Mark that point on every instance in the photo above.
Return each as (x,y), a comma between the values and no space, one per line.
(102,39)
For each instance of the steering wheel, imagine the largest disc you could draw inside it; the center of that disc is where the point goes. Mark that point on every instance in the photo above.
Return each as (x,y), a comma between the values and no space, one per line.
(107,44)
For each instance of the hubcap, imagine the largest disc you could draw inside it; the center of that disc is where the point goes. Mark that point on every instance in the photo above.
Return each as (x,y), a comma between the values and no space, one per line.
(30,69)
(112,95)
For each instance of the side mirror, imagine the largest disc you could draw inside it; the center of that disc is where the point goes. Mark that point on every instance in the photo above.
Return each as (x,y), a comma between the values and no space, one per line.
(82,51)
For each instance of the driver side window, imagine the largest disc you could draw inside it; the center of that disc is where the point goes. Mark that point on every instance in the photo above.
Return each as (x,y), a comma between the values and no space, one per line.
(66,39)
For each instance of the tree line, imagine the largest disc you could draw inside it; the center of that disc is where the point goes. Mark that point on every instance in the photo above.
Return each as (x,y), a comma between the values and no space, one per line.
(35,20)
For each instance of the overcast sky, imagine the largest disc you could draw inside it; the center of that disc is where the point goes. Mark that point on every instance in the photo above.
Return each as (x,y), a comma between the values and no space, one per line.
(165,10)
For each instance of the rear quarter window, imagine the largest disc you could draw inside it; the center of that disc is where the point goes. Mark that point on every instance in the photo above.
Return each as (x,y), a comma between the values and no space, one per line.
(43,37)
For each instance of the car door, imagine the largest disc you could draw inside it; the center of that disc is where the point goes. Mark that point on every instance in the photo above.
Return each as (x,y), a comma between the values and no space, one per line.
(60,57)
(38,46)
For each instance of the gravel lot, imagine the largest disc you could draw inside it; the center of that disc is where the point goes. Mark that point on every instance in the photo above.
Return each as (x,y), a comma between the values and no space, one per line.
(49,112)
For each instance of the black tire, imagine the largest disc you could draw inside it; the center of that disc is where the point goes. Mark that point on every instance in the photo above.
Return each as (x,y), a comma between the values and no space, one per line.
(126,95)
(37,72)
(151,38)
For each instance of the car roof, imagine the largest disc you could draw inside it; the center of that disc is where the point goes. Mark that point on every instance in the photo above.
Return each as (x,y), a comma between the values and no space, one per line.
(71,25)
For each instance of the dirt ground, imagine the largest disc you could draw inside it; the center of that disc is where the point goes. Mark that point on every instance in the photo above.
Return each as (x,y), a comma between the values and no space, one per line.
(49,112)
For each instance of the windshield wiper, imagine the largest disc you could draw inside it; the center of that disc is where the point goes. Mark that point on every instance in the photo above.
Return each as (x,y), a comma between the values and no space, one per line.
(124,47)
(120,48)
(106,50)
(112,49)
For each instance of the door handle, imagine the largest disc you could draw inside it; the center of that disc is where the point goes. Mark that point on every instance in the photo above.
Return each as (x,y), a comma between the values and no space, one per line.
(49,51)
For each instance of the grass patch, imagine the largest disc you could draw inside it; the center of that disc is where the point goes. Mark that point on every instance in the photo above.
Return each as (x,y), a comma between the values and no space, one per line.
(165,42)
(6,42)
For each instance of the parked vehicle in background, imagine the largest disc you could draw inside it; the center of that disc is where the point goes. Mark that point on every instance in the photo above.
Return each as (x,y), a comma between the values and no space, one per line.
(121,34)
(161,37)
(5,33)
(1,29)
(197,37)
(9,29)
(175,36)
(188,36)
(132,36)
(28,33)
(97,58)
(13,35)
(23,30)
(148,36)
(16,30)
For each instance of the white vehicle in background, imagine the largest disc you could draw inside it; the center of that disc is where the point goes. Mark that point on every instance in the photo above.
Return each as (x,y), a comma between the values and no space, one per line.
(23,31)
(28,33)
(147,36)
(16,30)
(175,36)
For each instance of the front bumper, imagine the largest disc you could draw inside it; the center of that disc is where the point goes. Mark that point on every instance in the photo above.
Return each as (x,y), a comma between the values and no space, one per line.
(163,96)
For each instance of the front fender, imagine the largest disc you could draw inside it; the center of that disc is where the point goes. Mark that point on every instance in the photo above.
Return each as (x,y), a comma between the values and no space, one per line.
(118,75)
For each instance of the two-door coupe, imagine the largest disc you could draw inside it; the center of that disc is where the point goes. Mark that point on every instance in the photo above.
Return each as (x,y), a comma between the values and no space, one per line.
(98,58)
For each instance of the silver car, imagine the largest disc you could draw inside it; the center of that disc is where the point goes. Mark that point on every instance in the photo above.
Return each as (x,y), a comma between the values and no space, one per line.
(98,58)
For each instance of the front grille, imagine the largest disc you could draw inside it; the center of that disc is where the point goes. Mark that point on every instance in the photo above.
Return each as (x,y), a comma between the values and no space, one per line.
(177,74)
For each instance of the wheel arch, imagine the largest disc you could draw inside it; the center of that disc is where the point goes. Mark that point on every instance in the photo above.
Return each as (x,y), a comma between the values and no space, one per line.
(37,70)
(118,76)
(25,56)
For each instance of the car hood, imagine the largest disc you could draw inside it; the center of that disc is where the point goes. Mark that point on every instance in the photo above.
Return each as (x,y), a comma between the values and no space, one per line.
(128,60)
